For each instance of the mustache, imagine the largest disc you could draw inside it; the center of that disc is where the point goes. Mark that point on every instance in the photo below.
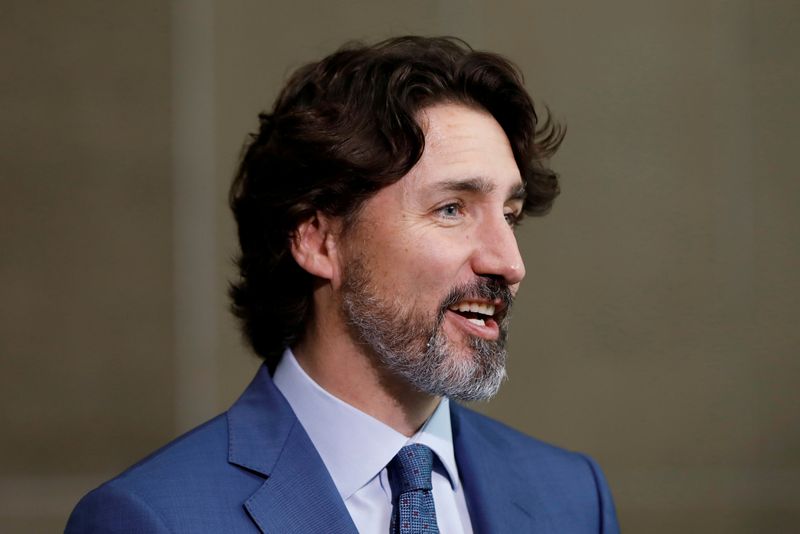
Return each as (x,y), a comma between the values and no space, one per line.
(483,288)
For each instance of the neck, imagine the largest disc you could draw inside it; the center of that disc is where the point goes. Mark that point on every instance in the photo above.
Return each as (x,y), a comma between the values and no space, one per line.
(347,371)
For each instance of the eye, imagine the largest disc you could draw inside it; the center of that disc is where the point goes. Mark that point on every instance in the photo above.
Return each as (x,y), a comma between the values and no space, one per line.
(450,211)
(512,219)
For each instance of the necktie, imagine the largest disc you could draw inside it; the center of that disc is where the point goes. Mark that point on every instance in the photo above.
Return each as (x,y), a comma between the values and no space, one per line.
(414,511)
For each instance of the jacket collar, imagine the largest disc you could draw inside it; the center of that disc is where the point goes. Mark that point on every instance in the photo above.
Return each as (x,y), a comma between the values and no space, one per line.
(493,487)
(266,438)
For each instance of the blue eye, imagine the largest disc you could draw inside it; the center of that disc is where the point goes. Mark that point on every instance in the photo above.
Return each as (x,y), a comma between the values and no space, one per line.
(450,211)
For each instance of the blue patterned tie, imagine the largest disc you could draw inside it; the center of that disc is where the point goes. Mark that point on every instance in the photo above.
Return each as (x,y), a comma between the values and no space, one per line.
(414,511)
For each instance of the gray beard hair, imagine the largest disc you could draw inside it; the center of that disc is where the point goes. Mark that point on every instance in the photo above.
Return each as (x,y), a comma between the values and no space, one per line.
(417,350)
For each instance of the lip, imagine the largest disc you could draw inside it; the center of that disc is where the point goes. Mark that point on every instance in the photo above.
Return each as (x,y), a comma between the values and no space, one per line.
(490,330)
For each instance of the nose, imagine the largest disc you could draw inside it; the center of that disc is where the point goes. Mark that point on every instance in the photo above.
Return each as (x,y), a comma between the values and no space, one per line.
(496,252)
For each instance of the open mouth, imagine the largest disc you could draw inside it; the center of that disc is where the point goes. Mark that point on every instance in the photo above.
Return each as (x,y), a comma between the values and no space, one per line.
(476,312)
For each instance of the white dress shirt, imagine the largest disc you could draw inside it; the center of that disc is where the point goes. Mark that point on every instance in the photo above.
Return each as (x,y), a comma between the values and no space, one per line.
(356,447)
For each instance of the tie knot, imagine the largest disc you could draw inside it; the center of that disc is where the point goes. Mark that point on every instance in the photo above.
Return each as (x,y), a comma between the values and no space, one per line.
(412,467)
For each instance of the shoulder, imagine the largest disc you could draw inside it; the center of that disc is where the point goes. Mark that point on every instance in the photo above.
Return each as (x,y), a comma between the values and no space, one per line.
(564,483)
(512,442)
(197,454)
(519,449)
(189,474)
(114,508)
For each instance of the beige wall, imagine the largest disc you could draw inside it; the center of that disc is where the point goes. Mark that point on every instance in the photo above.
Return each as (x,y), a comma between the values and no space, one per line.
(85,249)
(656,329)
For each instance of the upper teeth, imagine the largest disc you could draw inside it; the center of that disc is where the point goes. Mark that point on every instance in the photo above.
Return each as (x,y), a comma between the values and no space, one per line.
(475,307)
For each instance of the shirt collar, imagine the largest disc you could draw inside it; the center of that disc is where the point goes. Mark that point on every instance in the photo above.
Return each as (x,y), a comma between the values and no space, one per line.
(437,434)
(354,446)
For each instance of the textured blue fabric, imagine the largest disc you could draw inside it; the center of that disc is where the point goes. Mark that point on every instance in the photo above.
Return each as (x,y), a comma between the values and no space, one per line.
(254,469)
(515,483)
(415,512)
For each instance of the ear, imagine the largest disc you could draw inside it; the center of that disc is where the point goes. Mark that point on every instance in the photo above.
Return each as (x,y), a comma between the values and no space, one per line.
(314,246)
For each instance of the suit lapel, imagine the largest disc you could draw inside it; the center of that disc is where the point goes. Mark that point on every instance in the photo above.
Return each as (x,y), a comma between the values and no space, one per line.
(265,437)
(492,488)
(299,495)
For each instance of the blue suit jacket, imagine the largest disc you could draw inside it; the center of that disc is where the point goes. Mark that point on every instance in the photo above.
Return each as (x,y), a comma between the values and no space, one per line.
(255,468)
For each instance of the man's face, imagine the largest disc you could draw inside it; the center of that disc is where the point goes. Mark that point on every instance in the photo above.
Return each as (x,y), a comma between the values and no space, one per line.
(432,264)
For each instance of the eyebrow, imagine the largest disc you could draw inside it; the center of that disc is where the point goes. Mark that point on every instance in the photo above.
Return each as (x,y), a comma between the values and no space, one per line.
(481,185)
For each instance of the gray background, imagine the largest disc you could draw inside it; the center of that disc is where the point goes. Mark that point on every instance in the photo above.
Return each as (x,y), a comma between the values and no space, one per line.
(657,329)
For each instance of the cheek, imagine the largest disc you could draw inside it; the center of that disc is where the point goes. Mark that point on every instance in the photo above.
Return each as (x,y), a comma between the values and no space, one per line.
(430,270)
(417,262)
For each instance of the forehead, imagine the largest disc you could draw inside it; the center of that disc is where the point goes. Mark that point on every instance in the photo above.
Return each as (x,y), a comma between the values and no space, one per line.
(462,143)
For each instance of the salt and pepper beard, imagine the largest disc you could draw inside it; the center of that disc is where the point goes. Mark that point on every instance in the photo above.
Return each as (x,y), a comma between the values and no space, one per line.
(412,346)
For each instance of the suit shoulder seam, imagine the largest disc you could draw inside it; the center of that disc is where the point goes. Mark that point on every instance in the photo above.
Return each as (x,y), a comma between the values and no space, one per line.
(114,485)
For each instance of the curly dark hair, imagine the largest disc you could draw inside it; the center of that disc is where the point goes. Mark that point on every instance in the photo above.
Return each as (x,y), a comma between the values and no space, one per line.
(342,129)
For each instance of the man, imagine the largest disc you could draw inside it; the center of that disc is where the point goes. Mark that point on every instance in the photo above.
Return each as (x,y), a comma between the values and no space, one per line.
(376,209)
